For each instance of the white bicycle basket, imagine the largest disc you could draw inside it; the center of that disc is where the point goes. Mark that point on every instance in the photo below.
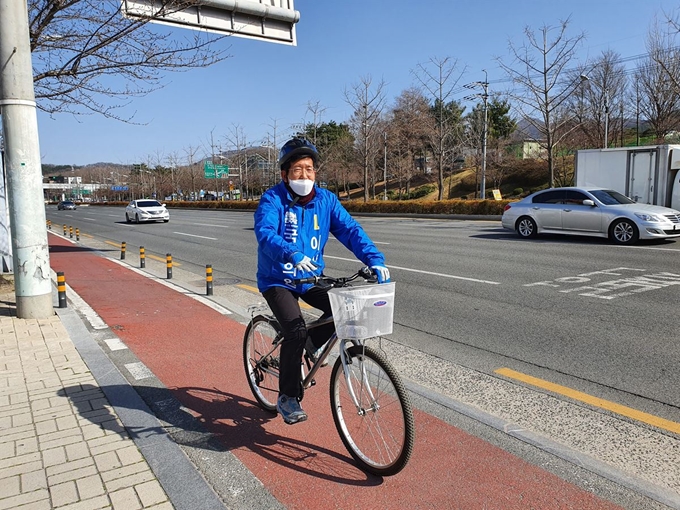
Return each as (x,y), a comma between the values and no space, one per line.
(363,312)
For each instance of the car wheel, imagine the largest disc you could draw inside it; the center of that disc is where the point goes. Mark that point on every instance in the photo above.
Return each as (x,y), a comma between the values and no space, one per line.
(526,227)
(624,231)
(127,218)
(136,218)
(165,221)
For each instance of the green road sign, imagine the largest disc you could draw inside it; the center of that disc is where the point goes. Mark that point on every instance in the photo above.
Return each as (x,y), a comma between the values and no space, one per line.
(210,168)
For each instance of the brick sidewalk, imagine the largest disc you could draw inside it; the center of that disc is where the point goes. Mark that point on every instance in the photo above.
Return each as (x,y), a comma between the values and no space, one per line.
(61,443)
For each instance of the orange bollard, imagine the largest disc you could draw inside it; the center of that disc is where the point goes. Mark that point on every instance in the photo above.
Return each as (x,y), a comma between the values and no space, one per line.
(61,289)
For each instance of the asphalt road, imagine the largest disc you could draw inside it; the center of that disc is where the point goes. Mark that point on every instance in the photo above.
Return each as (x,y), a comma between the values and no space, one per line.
(577,312)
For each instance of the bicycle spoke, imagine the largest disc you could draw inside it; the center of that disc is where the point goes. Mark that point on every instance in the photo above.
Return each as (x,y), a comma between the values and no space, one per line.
(261,360)
(379,432)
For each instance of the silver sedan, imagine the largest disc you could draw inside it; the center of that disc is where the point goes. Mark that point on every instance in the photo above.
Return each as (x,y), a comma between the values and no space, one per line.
(590,212)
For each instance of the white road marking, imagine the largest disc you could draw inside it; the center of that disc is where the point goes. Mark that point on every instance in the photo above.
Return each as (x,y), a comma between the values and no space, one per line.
(138,370)
(605,290)
(92,317)
(115,344)
(374,242)
(649,248)
(90,219)
(425,272)
(194,235)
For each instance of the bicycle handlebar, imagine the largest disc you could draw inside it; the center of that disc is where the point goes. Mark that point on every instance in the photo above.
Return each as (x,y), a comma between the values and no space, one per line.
(328,281)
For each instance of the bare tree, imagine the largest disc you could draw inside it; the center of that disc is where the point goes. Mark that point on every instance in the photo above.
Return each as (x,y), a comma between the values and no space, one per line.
(663,49)
(603,91)
(542,85)
(315,108)
(174,164)
(341,165)
(439,77)
(88,58)
(368,102)
(193,170)
(410,125)
(658,81)
(237,141)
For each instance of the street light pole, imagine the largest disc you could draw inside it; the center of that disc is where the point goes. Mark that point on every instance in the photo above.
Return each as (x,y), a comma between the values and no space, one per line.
(605,91)
(606,118)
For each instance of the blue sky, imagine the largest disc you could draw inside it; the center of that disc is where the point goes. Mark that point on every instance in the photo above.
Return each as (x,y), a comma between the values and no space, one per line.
(339,42)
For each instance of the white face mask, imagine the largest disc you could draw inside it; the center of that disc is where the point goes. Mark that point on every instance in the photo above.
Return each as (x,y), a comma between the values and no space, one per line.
(302,187)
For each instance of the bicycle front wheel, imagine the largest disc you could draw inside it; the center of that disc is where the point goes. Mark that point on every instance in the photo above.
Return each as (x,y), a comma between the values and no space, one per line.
(261,358)
(380,432)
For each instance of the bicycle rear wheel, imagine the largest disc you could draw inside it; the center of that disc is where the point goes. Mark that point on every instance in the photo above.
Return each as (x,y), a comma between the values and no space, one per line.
(381,432)
(261,356)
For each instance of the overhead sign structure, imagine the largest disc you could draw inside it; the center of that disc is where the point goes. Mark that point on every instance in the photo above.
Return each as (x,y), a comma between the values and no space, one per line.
(213,171)
(252,19)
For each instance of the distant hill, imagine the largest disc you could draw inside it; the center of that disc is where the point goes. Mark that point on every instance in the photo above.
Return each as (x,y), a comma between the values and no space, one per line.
(50,169)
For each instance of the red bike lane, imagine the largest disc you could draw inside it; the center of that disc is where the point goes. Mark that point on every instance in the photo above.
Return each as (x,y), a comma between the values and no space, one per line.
(196,352)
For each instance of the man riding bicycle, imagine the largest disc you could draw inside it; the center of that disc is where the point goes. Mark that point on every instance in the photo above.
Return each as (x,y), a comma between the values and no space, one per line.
(292,225)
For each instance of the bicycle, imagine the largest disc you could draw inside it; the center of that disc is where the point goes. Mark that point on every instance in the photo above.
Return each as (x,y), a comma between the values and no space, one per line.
(370,406)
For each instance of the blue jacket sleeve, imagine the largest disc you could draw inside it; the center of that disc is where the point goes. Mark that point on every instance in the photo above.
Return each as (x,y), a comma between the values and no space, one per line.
(348,231)
(267,230)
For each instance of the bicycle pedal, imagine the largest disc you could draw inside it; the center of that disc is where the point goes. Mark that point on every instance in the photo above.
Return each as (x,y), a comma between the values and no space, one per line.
(313,382)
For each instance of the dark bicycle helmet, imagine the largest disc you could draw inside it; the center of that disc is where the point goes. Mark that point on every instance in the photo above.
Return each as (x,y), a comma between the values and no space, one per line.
(297,148)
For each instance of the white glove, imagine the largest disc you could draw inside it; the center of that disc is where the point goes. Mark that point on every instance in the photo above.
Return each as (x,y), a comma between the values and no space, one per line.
(382,273)
(303,262)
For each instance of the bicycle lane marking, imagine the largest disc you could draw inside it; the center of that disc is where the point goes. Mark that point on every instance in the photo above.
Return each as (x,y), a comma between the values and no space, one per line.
(197,353)
(625,279)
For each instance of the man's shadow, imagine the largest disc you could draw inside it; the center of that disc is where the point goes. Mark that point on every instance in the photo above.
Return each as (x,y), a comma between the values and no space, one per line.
(214,420)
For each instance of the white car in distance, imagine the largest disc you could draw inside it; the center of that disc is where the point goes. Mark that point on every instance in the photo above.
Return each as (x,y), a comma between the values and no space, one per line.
(146,210)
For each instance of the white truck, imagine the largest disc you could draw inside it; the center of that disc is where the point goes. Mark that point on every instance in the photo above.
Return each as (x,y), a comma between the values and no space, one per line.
(648,174)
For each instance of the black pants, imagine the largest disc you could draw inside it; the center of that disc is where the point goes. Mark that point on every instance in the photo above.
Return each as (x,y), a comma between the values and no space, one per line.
(284,303)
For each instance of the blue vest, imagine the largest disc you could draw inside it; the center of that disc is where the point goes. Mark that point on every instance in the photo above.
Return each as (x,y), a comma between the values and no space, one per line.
(283,227)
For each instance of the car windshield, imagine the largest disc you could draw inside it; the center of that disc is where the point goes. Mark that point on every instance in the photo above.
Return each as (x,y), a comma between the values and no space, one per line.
(67,202)
(611,197)
(148,203)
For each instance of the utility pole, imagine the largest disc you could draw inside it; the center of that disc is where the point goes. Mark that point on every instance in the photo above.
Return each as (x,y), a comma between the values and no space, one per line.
(31,260)
(485,97)
(385,166)
(485,129)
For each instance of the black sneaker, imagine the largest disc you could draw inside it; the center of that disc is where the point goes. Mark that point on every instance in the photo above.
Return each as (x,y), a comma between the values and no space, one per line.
(290,410)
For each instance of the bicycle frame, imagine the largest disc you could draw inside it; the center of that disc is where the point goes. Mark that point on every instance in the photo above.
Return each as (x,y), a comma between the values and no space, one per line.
(308,378)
